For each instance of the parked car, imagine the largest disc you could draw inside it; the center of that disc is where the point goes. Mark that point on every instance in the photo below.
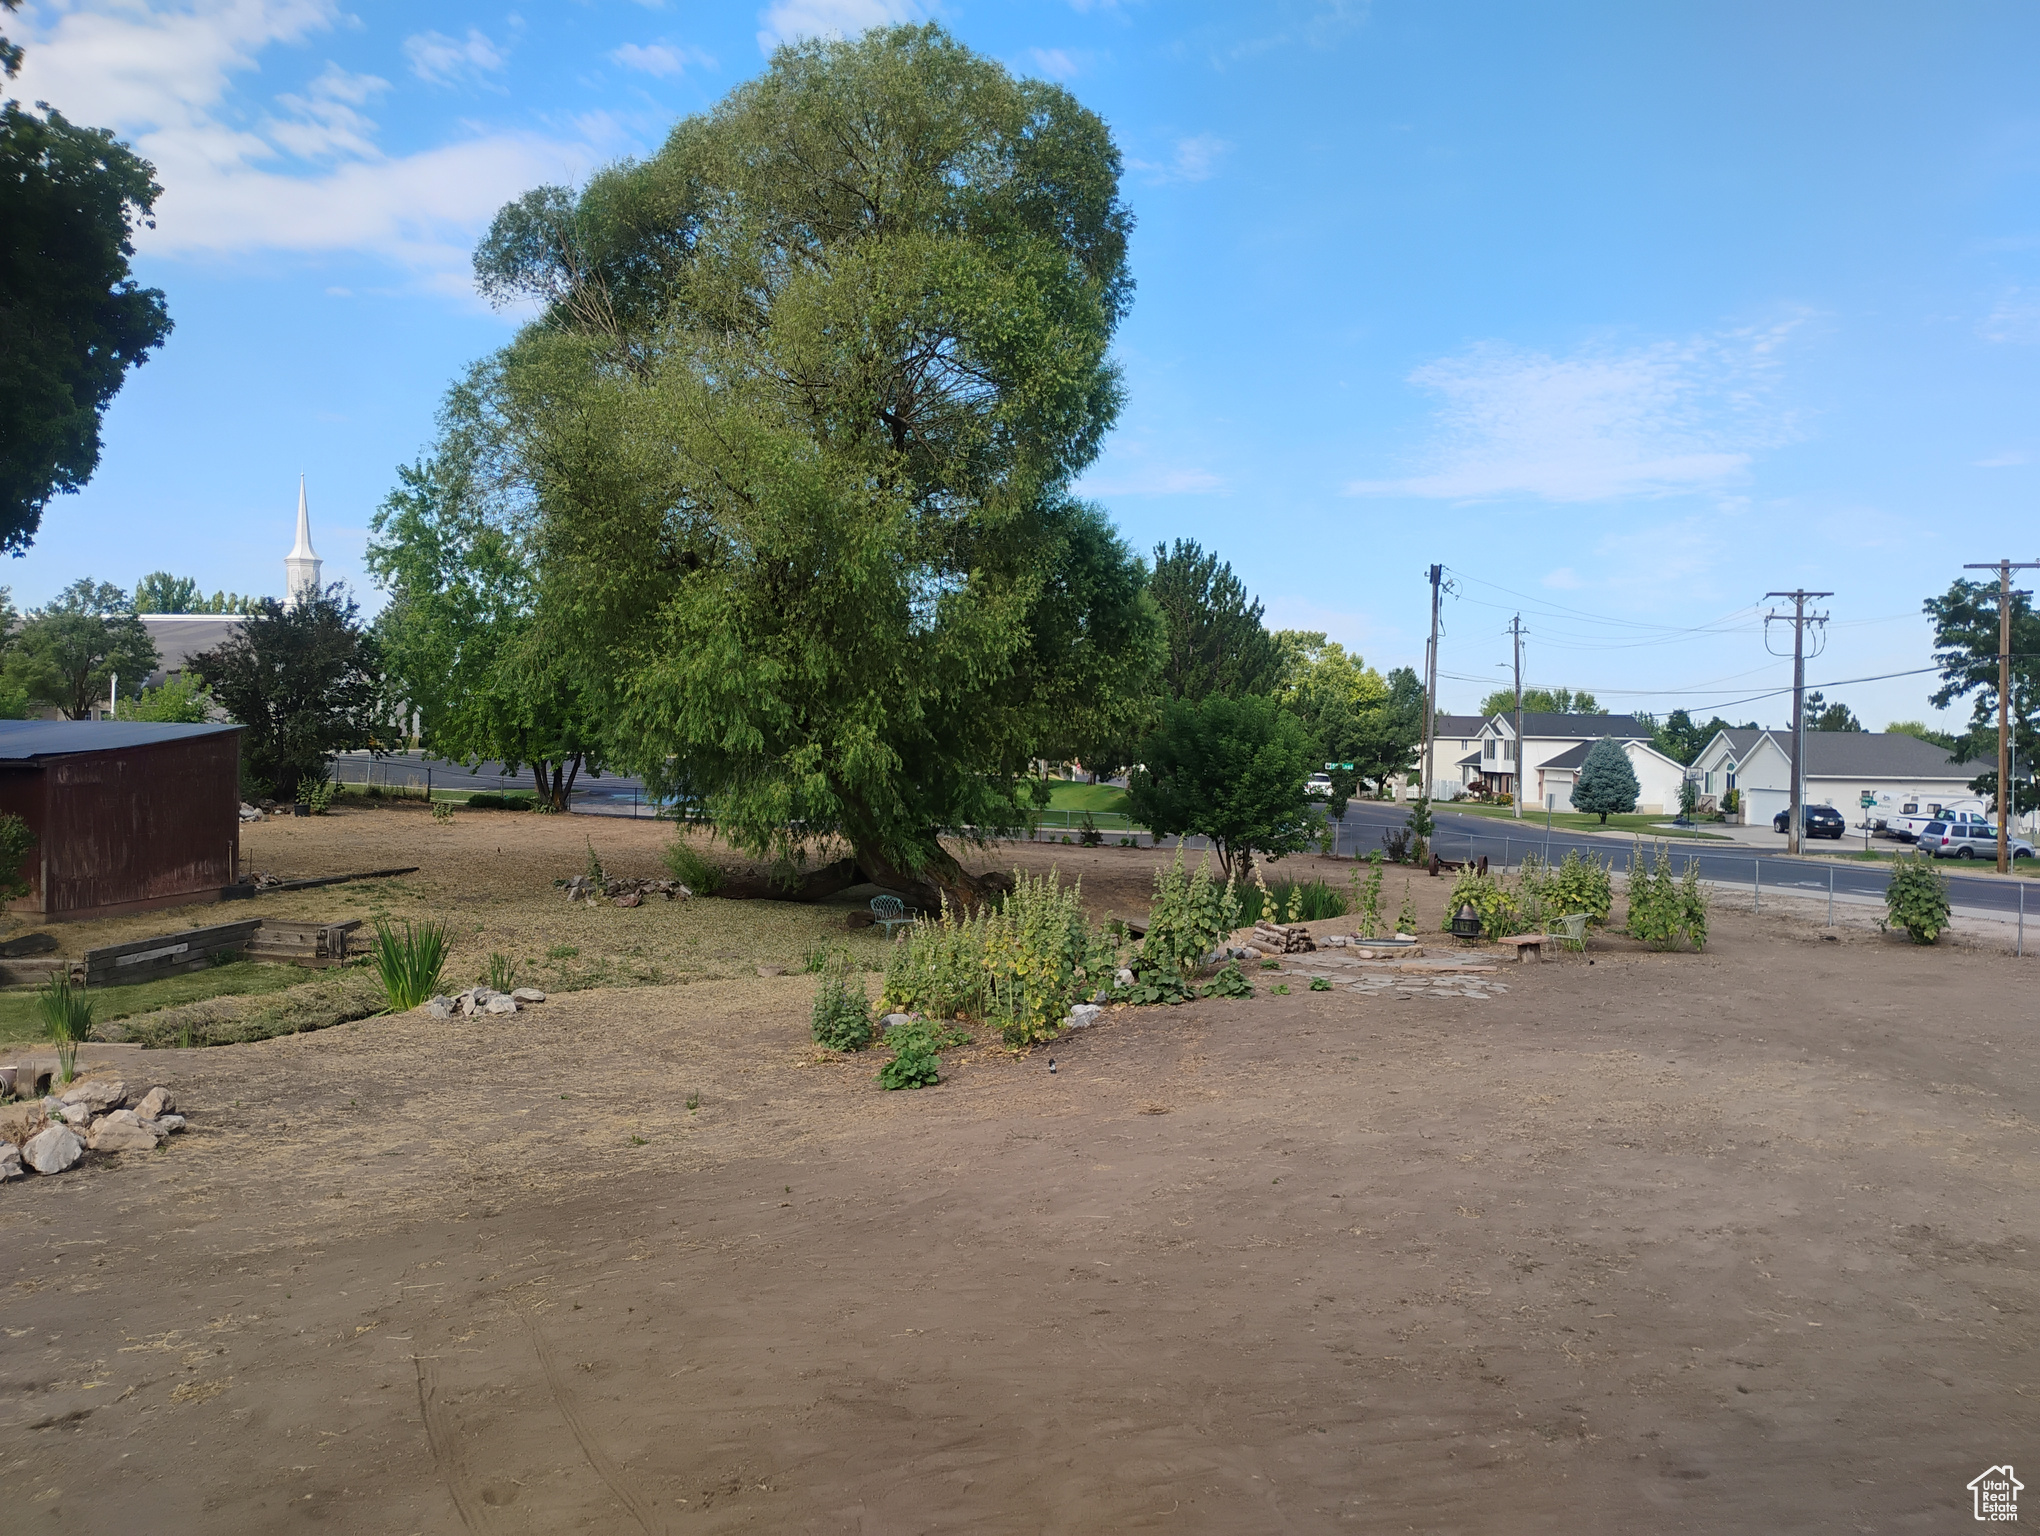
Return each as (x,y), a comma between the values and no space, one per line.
(1967,840)
(1817,821)
(1318,786)
(1913,817)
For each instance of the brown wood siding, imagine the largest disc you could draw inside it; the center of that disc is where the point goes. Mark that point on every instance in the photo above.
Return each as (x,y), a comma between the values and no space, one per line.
(137,827)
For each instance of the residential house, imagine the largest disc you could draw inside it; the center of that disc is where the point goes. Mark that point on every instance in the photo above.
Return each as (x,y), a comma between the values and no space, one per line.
(1456,741)
(1896,770)
(1553,749)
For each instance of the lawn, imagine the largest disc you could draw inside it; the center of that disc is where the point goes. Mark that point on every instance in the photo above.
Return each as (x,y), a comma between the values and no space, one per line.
(1578,821)
(20,1021)
(1095,798)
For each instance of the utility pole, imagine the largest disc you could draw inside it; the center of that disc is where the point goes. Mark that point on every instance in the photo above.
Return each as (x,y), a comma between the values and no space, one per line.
(1800,619)
(2007,795)
(1522,778)
(1431,689)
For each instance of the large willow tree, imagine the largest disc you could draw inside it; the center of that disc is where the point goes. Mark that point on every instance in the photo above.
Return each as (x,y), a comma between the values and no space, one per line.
(797,425)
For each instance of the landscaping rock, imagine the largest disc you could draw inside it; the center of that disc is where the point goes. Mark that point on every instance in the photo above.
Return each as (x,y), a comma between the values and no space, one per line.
(502,1002)
(97,1094)
(528,995)
(891,1019)
(121,1131)
(439,1008)
(155,1104)
(1124,978)
(52,1150)
(170,1124)
(623,892)
(10,1161)
(1083,1015)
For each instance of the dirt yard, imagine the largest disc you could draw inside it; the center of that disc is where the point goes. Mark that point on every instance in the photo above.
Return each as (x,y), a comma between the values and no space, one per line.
(1729,1242)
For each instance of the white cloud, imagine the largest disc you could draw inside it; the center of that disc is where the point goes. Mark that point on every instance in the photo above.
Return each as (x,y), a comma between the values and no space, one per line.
(660,59)
(1056,63)
(1195,159)
(785,21)
(2015,318)
(306,175)
(441,60)
(1652,421)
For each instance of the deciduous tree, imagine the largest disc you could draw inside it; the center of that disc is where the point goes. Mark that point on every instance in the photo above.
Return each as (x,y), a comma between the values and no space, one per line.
(306,681)
(1540,701)
(69,652)
(1966,652)
(796,429)
(1232,770)
(72,319)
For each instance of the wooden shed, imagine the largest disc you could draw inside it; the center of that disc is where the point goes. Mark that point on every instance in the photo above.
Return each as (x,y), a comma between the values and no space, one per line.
(126,815)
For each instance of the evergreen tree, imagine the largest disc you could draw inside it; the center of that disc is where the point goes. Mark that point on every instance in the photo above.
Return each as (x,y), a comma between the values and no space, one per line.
(1607,783)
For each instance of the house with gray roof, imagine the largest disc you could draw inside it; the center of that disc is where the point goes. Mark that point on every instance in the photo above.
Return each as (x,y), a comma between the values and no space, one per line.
(1894,769)
(1552,750)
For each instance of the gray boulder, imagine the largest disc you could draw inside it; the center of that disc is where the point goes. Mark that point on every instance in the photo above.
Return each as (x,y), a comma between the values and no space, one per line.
(122,1131)
(891,1019)
(155,1104)
(52,1149)
(528,995)
(439,1008)
(1124,978)
(97,1094)
(10,1161)
(500,1002)
(169,1123)
(1083,1015)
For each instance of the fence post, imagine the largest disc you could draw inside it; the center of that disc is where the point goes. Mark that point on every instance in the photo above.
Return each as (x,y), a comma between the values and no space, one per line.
(1505,855)
(1757,884)
(2022,922)
(1831,896)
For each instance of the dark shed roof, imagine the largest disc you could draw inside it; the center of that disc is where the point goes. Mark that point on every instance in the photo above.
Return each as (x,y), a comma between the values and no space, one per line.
(24,739)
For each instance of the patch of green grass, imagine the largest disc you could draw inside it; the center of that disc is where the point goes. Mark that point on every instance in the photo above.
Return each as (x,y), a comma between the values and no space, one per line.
(19,1019)
(1065,796)
(1578,821)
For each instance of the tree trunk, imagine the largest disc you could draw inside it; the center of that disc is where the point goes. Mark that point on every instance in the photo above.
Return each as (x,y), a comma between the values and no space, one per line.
(814,885)
(941,877)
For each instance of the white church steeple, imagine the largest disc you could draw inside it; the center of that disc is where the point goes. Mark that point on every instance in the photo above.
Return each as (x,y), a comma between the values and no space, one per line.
(301,565)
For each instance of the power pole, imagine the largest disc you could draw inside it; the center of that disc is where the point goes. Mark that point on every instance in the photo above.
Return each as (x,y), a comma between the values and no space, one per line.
(1800,619)
(1431,689)
(2007,795)
(1522,778)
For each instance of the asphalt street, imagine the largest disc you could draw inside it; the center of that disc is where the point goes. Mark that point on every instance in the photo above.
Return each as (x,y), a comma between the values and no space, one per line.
(606,795)
(1460,836)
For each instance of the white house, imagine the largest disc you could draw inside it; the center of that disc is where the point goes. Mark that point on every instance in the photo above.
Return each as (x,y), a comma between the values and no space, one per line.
(1456,741)
(1841,767)
(1658,777)
(1554,747)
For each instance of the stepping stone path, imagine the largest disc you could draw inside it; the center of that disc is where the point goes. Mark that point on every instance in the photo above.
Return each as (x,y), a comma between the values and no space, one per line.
(1441,976)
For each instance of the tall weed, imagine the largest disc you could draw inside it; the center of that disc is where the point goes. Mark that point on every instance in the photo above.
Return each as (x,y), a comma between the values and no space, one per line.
(409,964)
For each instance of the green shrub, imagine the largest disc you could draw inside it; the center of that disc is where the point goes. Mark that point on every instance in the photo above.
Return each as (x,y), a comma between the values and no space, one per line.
(442,810)
(1229,983)
(488,800)
(691,869)
(1406,917)
(1663,908)
(67,1020)
(1189,916)
(1019,965)
(316,793)
(1321,984)
(917,1047)
(1290,901)
(1917,898)
(15,842)
(501,975)
(1367,896)
(842,1017)
(1501,914)
(409,964)
(1580,883)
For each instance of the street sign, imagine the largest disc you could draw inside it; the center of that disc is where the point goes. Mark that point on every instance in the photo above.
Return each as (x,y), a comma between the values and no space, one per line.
(1869,800)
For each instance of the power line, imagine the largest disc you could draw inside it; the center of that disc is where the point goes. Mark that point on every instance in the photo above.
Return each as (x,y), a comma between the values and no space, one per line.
(1800,619)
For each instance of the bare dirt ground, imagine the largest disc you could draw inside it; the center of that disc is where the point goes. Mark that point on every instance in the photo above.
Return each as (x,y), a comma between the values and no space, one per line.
(1730,1242)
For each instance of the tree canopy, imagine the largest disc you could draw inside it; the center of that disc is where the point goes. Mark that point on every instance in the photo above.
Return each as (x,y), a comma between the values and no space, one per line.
(463,638)
(72,319)
(1351,713)
(306,681)
(68,652)
(1217,644)
(160,592)
(1232,770)
(1540,701)
(1607,782)
(1966,653)
(794,435)
(1823,716)
(1680,739)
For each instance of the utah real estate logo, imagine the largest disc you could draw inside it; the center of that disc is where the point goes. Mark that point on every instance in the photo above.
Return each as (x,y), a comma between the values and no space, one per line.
(1997,1494)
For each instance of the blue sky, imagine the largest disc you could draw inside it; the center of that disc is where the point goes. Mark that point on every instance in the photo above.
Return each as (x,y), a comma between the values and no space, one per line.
(1626,314)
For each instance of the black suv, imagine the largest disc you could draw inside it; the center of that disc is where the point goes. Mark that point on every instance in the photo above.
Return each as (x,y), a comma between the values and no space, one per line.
(1820,821)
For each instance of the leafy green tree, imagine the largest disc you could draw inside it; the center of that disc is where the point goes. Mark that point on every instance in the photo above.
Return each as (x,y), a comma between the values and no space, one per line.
(160,592)
(1217,644)
(463,636)
(181,700)
(1351,712)
(795,431)
(306,681)
(1823,716)
(69,652)
(1945,740)
(1231,770)
(1540,701)
(72,320)
(1607,783)
(1680,739)
(1966,653)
